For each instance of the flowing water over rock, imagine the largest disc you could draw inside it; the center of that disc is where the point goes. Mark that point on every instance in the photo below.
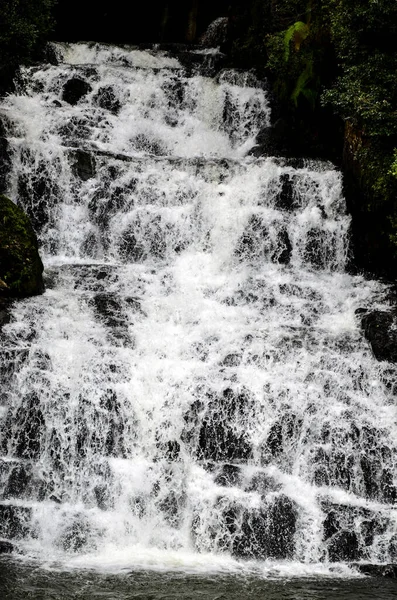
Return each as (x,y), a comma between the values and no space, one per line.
(193,388)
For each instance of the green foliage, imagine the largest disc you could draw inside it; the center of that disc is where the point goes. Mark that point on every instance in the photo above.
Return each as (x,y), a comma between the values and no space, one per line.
(393,167)
(24,25)
(365,92)
(302,53)
(296,33)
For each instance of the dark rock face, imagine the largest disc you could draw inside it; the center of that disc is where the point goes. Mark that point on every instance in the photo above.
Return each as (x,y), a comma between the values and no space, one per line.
(343,547)
(6,547)
(106,98)
(216,33)
(106,438)
(31,427)
(83,164)
(14,520)
(273,140)
(219,438)
(75,89)
(18,482)
(379,329)
(269,531)
(37,188)
(228,475)
(315,250)
(258,240)
(20,264)
(256,533)
(4,310)
(349,530)
(285,198)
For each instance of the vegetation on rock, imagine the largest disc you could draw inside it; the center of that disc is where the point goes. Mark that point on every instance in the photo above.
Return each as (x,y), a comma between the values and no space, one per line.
(20,264)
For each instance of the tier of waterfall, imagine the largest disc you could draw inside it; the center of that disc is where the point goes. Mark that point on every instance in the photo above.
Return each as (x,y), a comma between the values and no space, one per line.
(193,388)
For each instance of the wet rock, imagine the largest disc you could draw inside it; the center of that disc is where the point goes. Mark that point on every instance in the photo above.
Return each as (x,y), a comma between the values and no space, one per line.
(273,140)
(349,530)
(263,484)
(267,532)
(228,475)
(393,548)
(171,506)
(232,360)
(381,332)
(20,264)
(5,162)
(6,547)
(18,482)
(216,33)
(30,425)
(283,252)
(389,571)
(114,442)
(259,240)
(103,497)
(344,547)
(76,536)
(222,436)
(285,197)
(5,306)
(74,90)
(173,450)
(14,520)
(280,435)
(107,203)
(106,98)
(108,308)
(83,164)
(151,146)
(76,128)
(315,248)
(174,90)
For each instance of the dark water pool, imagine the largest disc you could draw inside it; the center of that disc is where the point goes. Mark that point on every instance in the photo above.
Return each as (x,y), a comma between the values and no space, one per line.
(24,582)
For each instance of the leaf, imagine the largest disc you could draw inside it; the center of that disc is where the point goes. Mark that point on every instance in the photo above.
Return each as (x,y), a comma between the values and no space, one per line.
(296,33)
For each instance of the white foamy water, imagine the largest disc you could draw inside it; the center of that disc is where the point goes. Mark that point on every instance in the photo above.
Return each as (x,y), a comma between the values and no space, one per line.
(193,390)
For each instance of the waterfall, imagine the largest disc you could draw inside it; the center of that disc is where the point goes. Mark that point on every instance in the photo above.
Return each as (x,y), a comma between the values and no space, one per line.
(193,387)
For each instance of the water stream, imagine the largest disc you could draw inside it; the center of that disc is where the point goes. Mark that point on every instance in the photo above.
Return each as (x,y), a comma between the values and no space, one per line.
(193,391)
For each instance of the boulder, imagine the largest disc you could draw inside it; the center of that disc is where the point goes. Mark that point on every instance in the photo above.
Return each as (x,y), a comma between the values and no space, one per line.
(216,33)
(381,332)
(350,530)
(106,98)
(20,264)
(83,164)
(389,570)
(75,89)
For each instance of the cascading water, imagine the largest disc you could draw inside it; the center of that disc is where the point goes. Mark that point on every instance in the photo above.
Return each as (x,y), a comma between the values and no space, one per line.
(193,387)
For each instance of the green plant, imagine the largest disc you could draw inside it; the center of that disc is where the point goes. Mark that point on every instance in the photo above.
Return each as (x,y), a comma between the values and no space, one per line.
(24,25)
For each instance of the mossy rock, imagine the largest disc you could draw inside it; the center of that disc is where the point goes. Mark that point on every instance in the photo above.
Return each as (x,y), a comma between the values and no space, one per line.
(20,264)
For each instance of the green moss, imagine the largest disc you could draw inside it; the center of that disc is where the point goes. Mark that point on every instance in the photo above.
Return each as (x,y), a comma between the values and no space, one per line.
(20,264)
